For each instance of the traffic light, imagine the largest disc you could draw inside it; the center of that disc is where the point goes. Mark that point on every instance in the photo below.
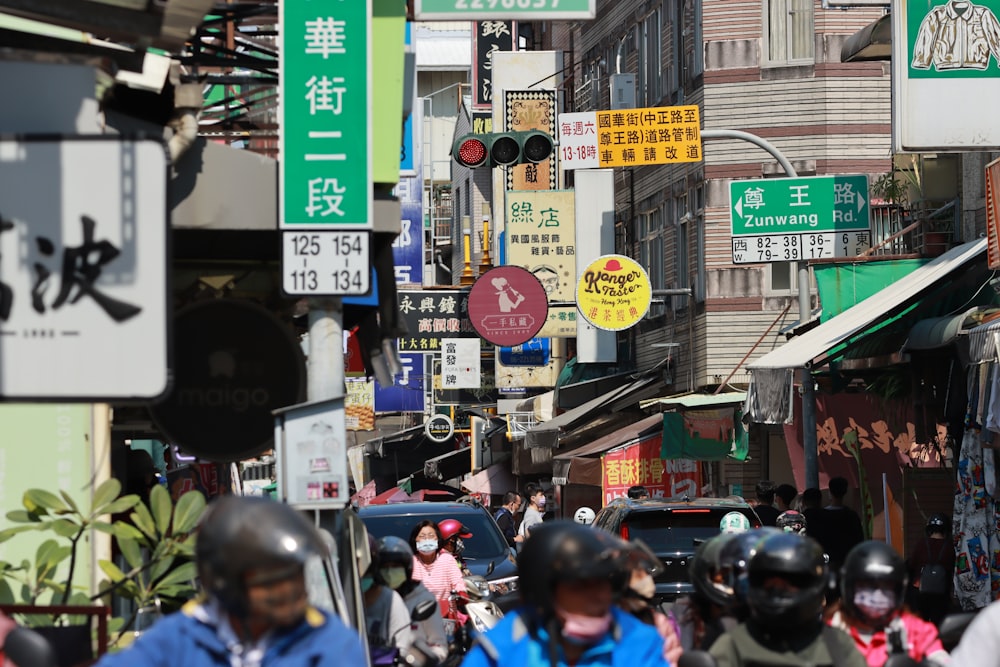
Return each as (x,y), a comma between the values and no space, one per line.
(502,149)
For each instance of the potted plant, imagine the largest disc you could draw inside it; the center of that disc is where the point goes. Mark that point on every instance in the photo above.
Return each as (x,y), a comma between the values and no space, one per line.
(157,544)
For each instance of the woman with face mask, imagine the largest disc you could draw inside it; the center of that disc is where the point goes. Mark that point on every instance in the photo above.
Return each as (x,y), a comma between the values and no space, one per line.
(872,584)
(571,576)
(436,569)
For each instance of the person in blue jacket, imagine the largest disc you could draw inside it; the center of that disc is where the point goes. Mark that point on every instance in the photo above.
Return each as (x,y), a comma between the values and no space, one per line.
(251,554)
(570,577)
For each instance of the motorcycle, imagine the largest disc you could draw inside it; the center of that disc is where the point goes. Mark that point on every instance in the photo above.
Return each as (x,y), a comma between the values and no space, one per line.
(470,613)
(416,655)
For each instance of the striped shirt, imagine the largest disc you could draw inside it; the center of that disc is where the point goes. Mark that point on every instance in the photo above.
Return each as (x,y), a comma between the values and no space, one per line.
(441,577)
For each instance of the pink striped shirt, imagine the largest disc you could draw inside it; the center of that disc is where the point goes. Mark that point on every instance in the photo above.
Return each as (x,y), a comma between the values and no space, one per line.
(440,577)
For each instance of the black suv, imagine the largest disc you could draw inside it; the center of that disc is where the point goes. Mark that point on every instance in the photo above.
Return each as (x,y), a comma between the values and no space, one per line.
(486,552)
(673,528)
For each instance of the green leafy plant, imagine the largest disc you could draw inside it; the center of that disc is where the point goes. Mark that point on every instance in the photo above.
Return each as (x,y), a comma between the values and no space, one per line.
(40,582)
(159,549)
(157,544)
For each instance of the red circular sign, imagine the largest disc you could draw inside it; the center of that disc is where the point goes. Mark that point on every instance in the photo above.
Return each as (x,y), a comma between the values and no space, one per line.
(508,306)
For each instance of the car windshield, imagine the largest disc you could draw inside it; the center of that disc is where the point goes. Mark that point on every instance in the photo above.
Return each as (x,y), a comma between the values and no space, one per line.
(486,543)
(680,531)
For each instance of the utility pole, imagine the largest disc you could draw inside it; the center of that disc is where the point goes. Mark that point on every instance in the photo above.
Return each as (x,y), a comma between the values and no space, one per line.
(805,310)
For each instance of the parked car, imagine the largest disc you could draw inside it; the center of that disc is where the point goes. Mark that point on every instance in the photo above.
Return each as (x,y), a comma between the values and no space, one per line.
(486,552)
(672,528)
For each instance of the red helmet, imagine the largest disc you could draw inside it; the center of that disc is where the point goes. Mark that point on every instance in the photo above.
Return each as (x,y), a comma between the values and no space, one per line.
(449,528)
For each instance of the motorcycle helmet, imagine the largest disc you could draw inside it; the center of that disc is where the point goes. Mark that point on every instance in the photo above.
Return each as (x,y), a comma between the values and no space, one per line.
(734,522)
(563,550)
(392,550)
(873,582)
(704,571)
(937,523)
(787,579)
(734,561)
(584,515)
(450,528)
(792,522)
(240,534)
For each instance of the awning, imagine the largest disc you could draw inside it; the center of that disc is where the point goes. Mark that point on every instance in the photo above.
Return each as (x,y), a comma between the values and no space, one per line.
(570,396)
(449,466)
(934,332)
(814,347)
(583,466)
(546,434)
(495,480)
(697,400)
(873,42)
(770,392)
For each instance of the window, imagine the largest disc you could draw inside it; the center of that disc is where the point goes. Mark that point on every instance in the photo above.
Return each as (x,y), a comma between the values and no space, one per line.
(651,59)
(789,31)
(783,276)
(675,71)
(683,265)
(651,250)
(697,48)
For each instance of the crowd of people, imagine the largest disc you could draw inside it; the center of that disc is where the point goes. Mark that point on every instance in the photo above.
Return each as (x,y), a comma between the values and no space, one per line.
(762,596)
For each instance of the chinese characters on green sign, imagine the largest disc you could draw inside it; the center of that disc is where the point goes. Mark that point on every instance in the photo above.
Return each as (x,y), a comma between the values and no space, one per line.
(325,163)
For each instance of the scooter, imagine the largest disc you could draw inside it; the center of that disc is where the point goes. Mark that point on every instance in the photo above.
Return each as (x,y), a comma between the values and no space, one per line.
(470,613)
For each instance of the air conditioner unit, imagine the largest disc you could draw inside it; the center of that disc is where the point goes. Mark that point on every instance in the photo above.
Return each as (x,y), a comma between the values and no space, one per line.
(623,91)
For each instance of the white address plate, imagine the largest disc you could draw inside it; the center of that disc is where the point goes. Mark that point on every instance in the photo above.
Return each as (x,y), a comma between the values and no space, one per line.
(798,247)
(318,263)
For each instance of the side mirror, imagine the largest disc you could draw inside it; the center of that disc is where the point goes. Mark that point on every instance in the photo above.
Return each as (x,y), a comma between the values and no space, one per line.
(424,610)
(26,648)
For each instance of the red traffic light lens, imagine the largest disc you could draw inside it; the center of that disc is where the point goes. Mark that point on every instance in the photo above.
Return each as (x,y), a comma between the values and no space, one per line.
(472,152)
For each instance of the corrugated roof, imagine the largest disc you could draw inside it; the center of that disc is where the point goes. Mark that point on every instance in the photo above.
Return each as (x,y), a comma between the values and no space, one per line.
(698,400)
(444,53)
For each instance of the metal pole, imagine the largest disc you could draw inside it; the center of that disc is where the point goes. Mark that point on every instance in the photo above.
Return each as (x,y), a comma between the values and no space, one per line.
(805,310)
(326,349)
(809,430)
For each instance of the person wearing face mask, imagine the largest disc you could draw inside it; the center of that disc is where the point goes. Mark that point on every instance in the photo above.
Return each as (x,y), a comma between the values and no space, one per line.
(436,569)
(571,575)
(639,598)
(452,533)
(251,555)
(386,618)
(535,511)
(871,610)
(395,570)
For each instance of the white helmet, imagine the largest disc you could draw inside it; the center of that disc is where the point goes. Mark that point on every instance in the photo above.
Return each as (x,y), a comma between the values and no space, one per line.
(734,522)
(584,515)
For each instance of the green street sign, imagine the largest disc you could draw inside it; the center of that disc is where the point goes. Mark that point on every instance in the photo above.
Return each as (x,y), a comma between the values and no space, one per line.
(325,134)
(796,219)
(525,10)
(799,205)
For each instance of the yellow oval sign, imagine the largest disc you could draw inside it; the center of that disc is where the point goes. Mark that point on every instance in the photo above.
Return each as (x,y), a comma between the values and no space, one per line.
(614,293)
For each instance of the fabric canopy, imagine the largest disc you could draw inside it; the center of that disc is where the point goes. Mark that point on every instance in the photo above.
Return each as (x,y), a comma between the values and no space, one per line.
(494,480)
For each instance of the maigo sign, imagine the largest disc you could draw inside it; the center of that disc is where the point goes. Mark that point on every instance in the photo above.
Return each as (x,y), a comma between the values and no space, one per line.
(613,293)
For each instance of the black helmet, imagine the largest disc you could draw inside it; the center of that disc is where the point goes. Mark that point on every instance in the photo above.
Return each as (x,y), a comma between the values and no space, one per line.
(243,533)
(937,523)
(568,551)
(868,565)
(395,550)
(704,571)
(792,522)
(734,560)
(787,581)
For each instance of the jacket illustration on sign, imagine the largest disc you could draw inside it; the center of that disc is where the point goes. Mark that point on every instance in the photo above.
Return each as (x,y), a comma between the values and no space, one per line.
(957,35)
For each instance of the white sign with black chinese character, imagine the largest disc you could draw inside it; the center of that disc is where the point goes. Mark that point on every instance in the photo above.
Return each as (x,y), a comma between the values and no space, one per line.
(83,269)
(460,363)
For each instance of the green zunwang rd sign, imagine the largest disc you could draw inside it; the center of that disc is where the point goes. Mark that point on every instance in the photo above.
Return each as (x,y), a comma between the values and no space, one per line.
(325,164)
(527,10)
(791,219)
